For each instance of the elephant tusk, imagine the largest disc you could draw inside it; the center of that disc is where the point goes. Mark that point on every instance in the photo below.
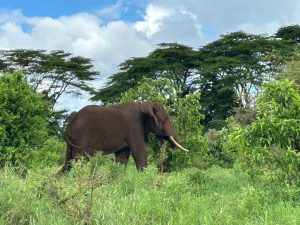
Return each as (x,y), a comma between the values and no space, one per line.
(178,145)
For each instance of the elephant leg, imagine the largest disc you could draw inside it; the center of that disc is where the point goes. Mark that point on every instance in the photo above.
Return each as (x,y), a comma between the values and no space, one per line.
(139,154)
(67,164)
(122,156)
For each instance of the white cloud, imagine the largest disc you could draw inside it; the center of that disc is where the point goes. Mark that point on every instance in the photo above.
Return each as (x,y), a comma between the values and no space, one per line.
(111,12)
(164,21)
(11,16)
(231,15)
(82,34)
(11,35)
(168,24)
(153,20)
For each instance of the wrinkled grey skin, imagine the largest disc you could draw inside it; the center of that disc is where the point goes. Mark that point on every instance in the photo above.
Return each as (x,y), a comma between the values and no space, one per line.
(120,129)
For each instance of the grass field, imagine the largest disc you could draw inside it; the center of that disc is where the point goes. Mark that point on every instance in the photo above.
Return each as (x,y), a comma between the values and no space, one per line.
(112,194)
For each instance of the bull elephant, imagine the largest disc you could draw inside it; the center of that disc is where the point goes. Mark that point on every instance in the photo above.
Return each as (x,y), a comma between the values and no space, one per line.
(120,129)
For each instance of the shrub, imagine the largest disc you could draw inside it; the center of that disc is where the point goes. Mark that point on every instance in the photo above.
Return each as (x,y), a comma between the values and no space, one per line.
(23,119)
(52,153)
(215,141)
(270,144)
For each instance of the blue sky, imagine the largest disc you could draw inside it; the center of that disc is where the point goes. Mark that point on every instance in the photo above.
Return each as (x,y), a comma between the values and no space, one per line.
(111,31)
(57,8)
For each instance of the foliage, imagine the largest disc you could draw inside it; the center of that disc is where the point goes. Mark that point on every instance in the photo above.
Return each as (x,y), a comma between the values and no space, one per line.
(56,123)
(191,196)
(52,152)
(23,119)
(228,72)
(186,119)
(185,116)
(244,116)
(178,63)
(77,199)
(52,74)
(188,115)
(215,141)
(291,33)
(271,143)
(161,90)
(232,70)
(278,114)
(292,69)
(223,144)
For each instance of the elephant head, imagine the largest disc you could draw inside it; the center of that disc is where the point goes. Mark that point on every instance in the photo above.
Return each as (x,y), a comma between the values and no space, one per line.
(157,121)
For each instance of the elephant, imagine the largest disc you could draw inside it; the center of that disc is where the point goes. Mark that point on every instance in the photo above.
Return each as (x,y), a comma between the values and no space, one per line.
(120,129)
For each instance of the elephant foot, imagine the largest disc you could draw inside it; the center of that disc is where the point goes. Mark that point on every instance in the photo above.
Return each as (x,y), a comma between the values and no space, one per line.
(122,156)
(64,168)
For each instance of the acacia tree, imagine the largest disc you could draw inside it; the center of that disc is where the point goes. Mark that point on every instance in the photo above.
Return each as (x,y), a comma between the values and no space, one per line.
(232,70)
(51,74)
(173,61)
(291,33)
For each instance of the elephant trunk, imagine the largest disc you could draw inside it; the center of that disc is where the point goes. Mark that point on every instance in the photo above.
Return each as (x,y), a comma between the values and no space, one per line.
(178,145)
(172,136)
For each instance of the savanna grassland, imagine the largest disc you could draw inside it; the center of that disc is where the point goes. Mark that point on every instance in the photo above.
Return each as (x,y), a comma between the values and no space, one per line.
(112,194)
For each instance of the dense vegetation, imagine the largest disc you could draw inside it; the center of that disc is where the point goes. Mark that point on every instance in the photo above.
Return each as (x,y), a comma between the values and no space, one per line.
(112,194)
(235,104)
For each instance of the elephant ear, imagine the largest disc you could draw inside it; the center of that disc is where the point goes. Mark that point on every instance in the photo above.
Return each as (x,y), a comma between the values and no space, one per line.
(149,109)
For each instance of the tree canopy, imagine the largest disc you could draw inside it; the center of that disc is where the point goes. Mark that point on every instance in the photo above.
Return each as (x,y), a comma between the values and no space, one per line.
(232,70)
(291,33)
(51,73)
(228,72)
(174,61)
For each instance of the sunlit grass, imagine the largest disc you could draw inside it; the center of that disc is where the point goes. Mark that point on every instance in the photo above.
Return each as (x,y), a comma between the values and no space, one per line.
(112,194)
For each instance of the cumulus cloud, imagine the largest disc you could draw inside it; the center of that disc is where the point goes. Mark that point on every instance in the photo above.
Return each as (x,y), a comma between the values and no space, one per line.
(228,16)
(82,34)
(153,20)
(112,11)
(167,24)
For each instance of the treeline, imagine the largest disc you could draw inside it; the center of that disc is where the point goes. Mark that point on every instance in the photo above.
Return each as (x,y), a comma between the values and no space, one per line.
(228,72)
(234,101)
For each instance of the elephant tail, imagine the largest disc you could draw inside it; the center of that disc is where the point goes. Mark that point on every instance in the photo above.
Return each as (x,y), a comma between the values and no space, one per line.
(67,138)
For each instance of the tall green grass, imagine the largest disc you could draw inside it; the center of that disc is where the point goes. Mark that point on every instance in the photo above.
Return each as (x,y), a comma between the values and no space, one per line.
(105,193)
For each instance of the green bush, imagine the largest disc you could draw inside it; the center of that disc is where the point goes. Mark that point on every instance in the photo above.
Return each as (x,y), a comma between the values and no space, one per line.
(292,69)
(215,141)
(50,154)
(23,119)
(270,145)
